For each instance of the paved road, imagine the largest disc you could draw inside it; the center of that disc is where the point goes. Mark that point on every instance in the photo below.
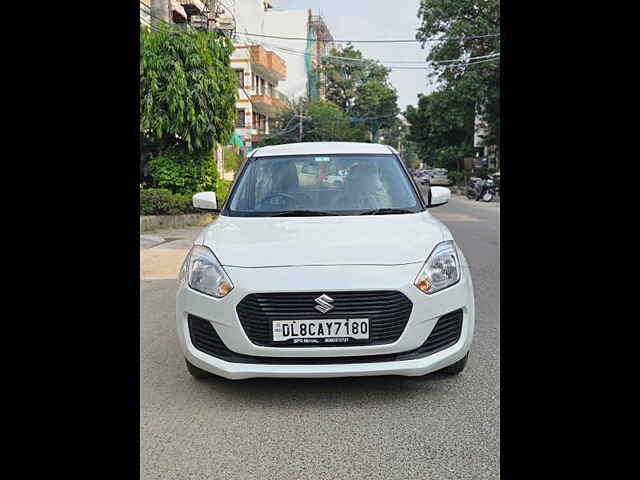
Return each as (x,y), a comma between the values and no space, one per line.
(364,428)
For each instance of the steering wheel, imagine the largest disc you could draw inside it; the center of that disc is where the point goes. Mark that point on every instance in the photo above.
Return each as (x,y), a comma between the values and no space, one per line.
(290,199)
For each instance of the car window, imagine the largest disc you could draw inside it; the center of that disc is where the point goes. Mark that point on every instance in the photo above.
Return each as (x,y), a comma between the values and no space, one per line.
(331,184)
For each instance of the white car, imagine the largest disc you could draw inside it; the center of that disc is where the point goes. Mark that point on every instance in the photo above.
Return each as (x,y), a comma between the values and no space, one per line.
(440,177)
(310,279)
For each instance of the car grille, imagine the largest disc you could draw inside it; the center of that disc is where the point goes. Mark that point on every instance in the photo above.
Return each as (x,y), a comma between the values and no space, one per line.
(387,311)
(445,334)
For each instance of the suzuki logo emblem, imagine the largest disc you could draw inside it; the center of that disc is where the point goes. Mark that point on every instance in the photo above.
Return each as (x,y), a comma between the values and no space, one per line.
(324,303)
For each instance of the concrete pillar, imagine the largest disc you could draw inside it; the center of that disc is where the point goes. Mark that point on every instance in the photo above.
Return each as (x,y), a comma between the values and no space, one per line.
(160,12)
(219,160)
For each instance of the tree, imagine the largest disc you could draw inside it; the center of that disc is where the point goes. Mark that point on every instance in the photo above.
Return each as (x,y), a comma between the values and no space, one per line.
(323,121)
(345,77)
(361,88)
(376,106)
(410,155)
(187,90)
(478,83)
(442,127)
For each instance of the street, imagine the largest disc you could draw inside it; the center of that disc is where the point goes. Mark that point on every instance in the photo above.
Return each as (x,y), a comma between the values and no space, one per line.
(435,427)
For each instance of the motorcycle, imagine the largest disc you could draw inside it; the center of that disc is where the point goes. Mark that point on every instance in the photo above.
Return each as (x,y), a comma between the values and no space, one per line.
(481,189)
(472,188)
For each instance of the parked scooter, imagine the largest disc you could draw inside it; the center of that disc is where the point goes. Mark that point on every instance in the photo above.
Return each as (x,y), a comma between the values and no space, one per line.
(481,189)
(473,187)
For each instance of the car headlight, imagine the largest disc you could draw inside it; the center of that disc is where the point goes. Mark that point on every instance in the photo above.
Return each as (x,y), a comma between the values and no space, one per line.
(204,273)
(441,270)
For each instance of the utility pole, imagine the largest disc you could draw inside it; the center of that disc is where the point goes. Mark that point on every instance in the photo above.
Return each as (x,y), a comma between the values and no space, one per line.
(159,12)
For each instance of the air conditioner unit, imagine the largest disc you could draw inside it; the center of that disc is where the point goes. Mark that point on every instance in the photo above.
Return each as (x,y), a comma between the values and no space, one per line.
(225,23)
(199,22)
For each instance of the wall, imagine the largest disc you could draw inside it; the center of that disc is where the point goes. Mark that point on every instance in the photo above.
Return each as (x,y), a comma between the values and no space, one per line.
(251,18)
(290,23)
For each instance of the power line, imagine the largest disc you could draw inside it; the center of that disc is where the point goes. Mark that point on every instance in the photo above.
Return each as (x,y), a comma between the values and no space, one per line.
(349,60)
(344,59)
(374,41)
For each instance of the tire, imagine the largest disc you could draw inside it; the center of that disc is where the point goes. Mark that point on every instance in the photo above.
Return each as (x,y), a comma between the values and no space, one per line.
(456,368)
(197,372)
(487,197)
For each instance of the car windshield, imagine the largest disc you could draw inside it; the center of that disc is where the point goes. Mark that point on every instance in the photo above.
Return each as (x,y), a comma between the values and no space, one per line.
(304,185)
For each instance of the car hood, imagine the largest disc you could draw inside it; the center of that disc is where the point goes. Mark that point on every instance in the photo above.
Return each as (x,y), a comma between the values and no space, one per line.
(340,240)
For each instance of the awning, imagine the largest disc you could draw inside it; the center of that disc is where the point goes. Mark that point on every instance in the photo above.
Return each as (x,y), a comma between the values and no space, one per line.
(178,8)
(196,3)
(237,141)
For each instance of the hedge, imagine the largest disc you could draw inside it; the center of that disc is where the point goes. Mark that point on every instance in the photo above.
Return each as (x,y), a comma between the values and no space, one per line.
(184,172)
(160,201)
(222,191)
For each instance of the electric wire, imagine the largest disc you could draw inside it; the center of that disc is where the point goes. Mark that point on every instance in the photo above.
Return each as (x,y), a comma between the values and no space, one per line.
(442,39)
(348,60)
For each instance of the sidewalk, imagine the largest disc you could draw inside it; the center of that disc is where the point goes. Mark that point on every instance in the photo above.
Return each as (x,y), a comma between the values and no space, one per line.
(494,203)
(163,251)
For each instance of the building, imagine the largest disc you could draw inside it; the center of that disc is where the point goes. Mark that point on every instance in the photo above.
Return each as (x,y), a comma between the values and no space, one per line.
(486,155)
(259,72)
(259,17)
(180,12)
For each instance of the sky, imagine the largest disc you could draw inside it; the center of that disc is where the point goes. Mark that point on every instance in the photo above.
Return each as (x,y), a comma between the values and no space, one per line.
(376,20)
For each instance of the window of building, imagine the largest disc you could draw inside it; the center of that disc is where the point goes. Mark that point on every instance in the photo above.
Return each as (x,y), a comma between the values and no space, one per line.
(240,74)
(240,118)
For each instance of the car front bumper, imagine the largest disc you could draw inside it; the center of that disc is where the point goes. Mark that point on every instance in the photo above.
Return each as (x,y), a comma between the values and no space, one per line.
(426,311)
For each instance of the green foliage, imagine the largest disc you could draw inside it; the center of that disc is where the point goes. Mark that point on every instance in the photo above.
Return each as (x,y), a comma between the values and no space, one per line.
(156,201)
(377,105)
(187,90)
(324,122)
(458,178)
(410,155)
(232,160)
(361,89)
(345,78)
(479,84)
(222,191)
(184,172)
(452,157)
(442,127)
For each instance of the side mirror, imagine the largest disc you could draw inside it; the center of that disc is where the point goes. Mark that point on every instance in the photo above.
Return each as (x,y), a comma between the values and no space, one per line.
(439,196)
(205,200)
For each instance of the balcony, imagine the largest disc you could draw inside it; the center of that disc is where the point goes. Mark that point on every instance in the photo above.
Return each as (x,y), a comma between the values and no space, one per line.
(267,64)
(269,104)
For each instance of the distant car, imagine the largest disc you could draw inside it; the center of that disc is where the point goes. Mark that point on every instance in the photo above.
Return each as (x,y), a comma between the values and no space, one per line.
(440,176)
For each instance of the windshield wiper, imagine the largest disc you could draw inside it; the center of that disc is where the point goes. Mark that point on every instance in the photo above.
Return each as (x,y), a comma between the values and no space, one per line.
(300,213)
(386,211)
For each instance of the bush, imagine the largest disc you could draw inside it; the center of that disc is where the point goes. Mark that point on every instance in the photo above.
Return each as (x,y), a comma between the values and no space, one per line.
(222,191)
(160,201)
(184,172)
(458,178)
(232,160)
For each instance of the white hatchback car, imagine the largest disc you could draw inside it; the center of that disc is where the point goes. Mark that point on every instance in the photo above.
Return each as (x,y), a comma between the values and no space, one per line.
(440,176)
(324,279)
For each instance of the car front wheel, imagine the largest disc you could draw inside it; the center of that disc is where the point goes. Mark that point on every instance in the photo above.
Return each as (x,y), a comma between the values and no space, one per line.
(195,371)
(456,368)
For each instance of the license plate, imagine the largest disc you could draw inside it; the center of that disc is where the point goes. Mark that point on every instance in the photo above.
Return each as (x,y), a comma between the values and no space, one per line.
(341,330)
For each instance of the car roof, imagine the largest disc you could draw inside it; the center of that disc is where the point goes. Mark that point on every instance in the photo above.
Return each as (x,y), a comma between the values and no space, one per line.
(318,148)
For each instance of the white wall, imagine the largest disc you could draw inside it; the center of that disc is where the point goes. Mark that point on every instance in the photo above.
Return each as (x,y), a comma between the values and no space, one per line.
(251,18)
(290,23)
